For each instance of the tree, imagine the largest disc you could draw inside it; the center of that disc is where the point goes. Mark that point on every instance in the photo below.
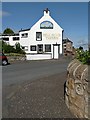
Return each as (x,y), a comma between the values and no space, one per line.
(8,31)
(17,46)
(18,49)
(80,48)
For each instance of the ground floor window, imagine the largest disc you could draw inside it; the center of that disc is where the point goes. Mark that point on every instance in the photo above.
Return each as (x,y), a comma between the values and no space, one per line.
(25,48)
(40,48)
(47,48)
(33,47)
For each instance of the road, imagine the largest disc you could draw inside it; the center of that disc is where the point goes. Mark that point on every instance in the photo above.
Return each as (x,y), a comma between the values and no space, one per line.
(20,72)
(35,89)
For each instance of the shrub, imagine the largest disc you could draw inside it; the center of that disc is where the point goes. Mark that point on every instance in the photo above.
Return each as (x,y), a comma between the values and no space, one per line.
(83,56)
(7,48)
(10,49)
(18,49)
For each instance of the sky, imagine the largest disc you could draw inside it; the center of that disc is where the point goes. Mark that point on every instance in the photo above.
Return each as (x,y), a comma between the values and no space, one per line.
(71,16)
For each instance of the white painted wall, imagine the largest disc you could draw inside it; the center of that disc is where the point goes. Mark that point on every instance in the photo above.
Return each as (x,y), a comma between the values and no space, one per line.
(25,41)
(38,56)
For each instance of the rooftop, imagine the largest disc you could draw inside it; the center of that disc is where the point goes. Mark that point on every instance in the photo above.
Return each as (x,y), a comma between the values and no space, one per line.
(66,40)
(24,30)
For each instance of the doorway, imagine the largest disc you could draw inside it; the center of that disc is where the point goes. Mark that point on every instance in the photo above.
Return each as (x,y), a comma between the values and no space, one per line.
(56,49)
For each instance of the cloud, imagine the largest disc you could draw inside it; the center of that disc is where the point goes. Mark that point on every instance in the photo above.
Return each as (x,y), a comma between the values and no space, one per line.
(4,13)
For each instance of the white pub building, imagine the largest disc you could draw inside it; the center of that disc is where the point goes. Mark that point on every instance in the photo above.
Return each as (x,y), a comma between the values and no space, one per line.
(42,41)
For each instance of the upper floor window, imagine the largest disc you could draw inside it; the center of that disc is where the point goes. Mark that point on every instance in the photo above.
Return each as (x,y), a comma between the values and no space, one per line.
(24,35)
(46,25)
(15,38)
(38,36)
(6,39)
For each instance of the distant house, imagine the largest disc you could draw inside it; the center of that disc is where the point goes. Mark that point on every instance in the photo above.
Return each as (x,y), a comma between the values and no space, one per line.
(42,41)
(67,46)
(11,39)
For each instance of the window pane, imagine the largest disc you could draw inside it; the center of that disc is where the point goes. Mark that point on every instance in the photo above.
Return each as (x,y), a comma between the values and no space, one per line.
(46,25)
(6,39)
(33,48)
(38,36)
(40,48)
(15,38)
(24,35)
(47,48)
(25,48)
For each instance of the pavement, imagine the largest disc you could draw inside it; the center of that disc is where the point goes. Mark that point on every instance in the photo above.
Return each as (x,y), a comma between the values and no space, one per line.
(41,96)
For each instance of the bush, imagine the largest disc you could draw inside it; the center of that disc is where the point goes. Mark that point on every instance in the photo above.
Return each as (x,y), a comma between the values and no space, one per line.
(83,56)
(18,49)
(10,49)
(7,48)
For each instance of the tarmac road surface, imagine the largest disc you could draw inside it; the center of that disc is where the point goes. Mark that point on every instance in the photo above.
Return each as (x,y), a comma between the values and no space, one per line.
(30,70)
(35,89)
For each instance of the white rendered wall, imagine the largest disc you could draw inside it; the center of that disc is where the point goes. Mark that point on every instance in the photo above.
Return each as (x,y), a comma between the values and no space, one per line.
(38,56)
(25,41)
(12,42)
(57,31)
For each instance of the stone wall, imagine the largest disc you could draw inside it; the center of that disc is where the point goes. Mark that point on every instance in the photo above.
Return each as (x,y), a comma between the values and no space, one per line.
(76,89)
(16,58)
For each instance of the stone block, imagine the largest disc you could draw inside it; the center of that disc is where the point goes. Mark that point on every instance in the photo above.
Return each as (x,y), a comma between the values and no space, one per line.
(77,89)
(76,111)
